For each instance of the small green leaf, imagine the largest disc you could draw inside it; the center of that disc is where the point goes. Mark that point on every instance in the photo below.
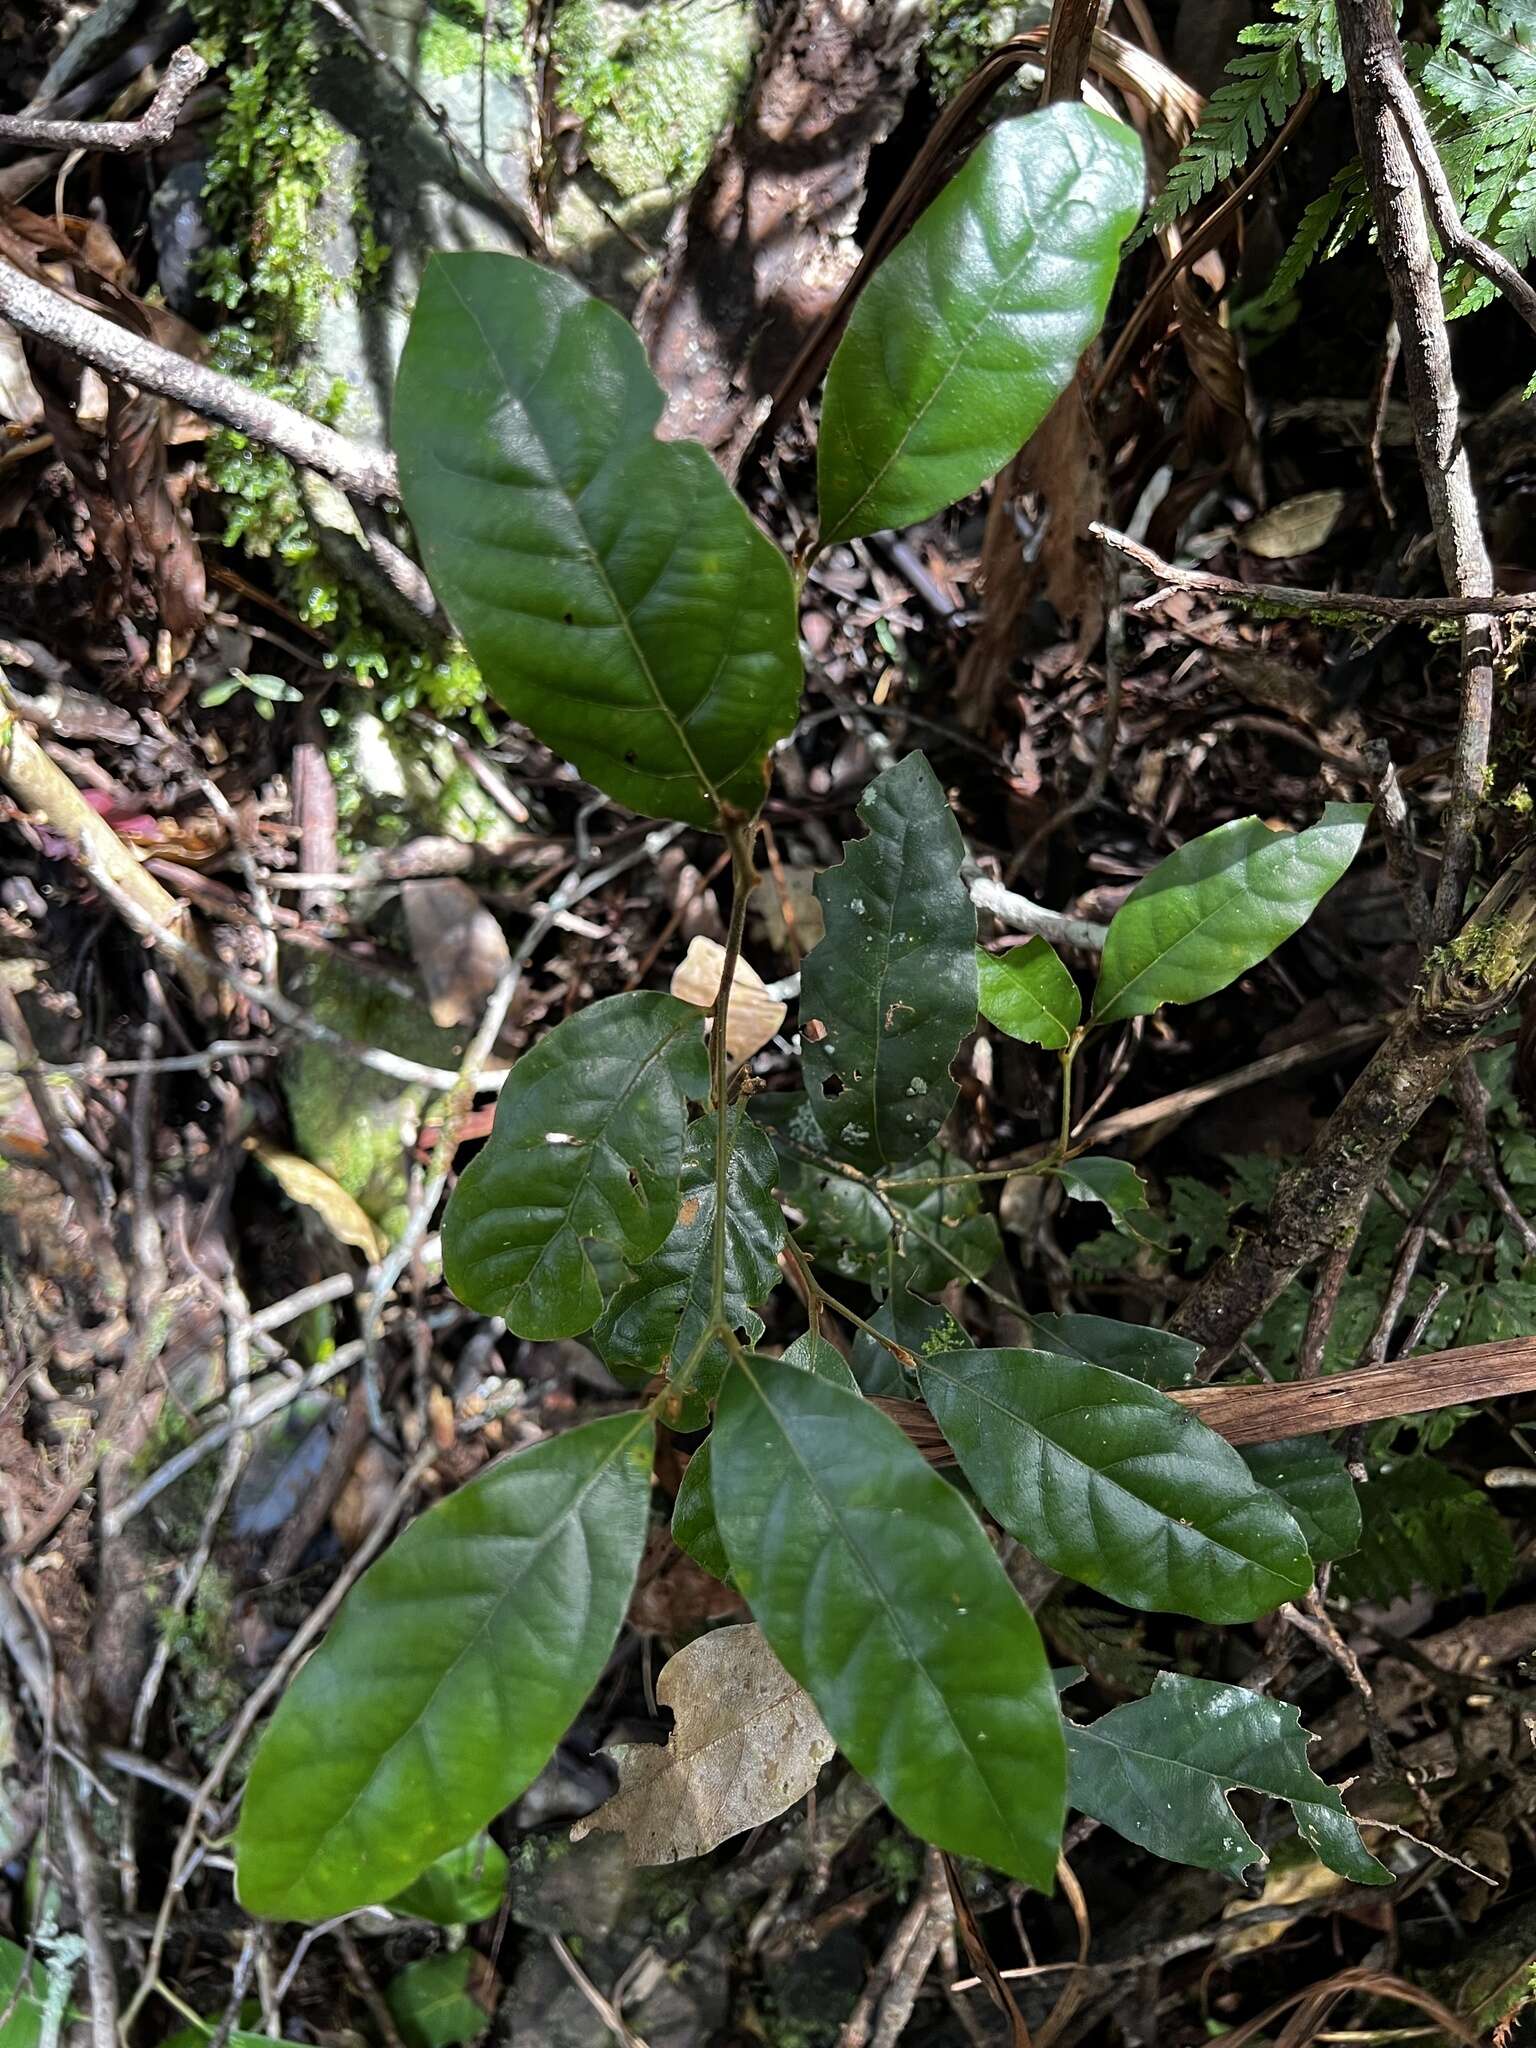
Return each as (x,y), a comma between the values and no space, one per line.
(612,588)
(588,1142)
(1110,1482)
(816,1355)
(454,1667)
(1114,1182)
(658,1320)
(972,327)
(1314,1482)
(22,2008)
(430,2003)
(1157,1357)
(919,1326)
(893,982)
(1217,907)
(878,1591)
(459,1888)
(1029,994)
(1159,1770)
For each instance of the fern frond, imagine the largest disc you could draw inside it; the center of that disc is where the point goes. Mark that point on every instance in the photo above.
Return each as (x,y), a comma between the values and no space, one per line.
(1329,224)
(1481,89)
(1278,58)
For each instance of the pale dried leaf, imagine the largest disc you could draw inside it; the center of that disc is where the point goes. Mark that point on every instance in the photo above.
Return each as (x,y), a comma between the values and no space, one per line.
(1294,528)
(313,1188)
(748,1742)
(752,1017)
(460,948)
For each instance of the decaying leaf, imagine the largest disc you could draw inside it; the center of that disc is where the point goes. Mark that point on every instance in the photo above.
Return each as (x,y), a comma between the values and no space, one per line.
(1294,528)
(312,1187)
(460,947)
(753,1015)
(747,1743)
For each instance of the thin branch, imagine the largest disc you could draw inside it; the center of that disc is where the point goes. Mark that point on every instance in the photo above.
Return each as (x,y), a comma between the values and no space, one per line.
(185,72)
(1021,915)
(1327,607)
(47,315)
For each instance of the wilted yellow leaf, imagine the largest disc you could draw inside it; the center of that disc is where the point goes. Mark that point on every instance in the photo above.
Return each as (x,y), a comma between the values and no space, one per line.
(312,1187)
(1294,528)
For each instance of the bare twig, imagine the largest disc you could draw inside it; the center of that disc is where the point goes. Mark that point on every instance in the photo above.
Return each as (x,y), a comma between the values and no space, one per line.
(1397,837)
(156,125)
(1328,607)
(38,310)
(1473,1100)
(1021,915)
(1373,62)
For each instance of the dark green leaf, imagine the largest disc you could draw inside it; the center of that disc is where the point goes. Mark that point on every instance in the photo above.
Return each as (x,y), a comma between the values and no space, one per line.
(878,1591)
(1030,995)
(1158,1771)
(893,983)
(1313,1481)
(658,1320)
(1114,1182)
(918,1326)
(1217,907)
(1112,1483)
(430,2003)
(455,1665)
(588,1142)
(972,327)
(1158,1357)
(464,1886)
(612,588)
(694,1528)
(918,1237)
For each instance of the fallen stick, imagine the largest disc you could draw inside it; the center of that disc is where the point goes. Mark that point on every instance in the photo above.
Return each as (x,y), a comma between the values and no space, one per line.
(38,310)
(154,126)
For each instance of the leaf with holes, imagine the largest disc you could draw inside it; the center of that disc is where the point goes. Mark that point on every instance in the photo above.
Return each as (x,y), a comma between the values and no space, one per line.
(972,327)
(1029,994)
(1113,1182)
(893,983)
(1159,1770)
(453,1668)
(1110,1482)
(587,1143)
(1217,907)
(1159,1357)
(612,588)
(879,1592)
(659,1318)
(1312,1479)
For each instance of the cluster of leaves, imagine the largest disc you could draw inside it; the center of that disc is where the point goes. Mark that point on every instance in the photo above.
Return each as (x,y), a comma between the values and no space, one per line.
(623,604)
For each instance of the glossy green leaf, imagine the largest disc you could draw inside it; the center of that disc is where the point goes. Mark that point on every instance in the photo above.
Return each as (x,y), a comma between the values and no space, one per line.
(461,1887)
(430,2004)
(588,1143)
(1217,907)
(972,327)
(453,1668)
(1158,1771)
(614,591)
(23,1996)
(658,1320)
(1158,1357)
(1029,994)
(694,1528)
(893,982)
(920,1237)
(1109,1481)
(1113,1182)
(1313,1481)
(878,1591)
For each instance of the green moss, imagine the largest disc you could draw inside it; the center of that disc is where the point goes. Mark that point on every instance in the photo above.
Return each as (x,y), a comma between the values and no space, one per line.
(964,31)
(454,38)
(205,1659)
(653,89)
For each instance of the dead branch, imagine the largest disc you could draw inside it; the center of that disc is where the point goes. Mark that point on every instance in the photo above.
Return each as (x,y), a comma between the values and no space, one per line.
(1326,607)
(156,125)
(1373,61)
(38,310)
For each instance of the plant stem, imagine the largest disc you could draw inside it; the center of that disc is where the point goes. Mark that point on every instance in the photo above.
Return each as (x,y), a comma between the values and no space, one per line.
(740,838)
(1064,1137)
(818,1294)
